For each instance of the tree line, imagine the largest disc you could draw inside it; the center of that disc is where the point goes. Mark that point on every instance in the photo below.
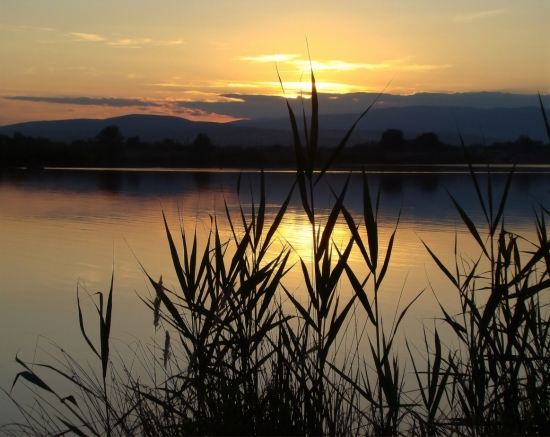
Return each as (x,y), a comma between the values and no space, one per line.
(111,149)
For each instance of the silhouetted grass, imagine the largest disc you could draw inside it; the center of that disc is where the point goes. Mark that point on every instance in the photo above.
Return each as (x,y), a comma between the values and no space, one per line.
(235,362)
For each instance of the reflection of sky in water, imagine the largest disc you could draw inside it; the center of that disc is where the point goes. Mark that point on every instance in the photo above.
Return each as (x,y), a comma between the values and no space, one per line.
(58,226)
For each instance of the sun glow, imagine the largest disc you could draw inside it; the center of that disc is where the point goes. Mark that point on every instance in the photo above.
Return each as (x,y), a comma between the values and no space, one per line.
(295,230)
(295,89)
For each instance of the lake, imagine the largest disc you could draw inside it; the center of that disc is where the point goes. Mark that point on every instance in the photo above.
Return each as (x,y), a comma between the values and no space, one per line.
(60,227)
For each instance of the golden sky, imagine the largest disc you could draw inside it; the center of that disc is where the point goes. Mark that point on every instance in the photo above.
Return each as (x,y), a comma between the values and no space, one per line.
(137,56)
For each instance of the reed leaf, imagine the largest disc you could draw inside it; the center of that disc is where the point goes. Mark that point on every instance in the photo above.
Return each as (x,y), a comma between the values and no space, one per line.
(276,223)
(314,132)
(365,393)
(457,327)
(399,319)
(471,227)
(179,323)
(370,223)
(331,222)
(435,370)
(313,297)
(441,265)
(355,233)
(474,179)
(335,327)
(81,322)
(544,117)
(176,260)
(33,379)
(261,209)
(301,165)
(305,315)
(105,330)
(71,427)
(503,201)
(388,256)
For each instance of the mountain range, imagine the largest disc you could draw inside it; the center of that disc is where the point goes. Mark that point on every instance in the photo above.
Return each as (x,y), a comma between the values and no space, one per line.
(474,123)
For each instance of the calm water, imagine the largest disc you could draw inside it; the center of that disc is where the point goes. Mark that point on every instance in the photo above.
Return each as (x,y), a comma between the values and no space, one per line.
(61,227)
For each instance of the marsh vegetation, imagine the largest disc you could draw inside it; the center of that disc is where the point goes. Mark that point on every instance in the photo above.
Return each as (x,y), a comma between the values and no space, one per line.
(241,354)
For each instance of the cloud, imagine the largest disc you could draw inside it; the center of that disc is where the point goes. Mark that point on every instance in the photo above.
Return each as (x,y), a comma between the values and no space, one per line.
(87,37)
(269,58)
(481,14)
(231,106)
(336,65)
(130,43)
(29,29)
(171,43)
(243,85)
(416,67)
(88,101)
(293,89)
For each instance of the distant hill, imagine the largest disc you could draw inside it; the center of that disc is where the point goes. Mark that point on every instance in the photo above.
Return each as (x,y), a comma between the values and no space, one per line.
(498,124)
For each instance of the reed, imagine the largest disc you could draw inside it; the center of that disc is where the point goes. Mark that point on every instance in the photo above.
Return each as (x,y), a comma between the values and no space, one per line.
(234,362)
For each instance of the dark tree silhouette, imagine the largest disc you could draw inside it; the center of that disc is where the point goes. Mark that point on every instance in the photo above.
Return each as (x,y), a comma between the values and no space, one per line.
(202,141)
(111,143)
(110,135)
(392,138)
(428,139)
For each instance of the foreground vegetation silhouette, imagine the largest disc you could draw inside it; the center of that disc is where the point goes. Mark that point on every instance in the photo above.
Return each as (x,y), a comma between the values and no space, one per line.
(234,362)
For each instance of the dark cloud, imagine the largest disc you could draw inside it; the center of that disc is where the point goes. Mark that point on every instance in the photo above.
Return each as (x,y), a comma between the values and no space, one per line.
(249,106)
(88,101)
(259,106)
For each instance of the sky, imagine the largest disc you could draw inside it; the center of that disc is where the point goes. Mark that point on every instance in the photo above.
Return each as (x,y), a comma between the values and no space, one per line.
(63,59)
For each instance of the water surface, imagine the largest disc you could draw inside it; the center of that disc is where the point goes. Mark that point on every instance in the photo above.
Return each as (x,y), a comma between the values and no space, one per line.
(63,227)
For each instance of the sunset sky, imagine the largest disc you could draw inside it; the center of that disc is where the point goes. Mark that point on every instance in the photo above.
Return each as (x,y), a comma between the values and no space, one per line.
(96,59)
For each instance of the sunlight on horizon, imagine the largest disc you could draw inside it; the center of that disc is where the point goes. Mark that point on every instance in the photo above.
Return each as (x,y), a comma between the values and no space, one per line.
(59,51)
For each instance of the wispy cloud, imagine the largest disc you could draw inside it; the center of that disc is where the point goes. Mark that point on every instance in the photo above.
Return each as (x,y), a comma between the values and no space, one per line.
(130,43)
(28,29)
(86,36)
(87,101)
(417,67)
(294,89)
(171,43)
(270,58)
(339,65)
(243,85)
(336,65)
(481,14)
